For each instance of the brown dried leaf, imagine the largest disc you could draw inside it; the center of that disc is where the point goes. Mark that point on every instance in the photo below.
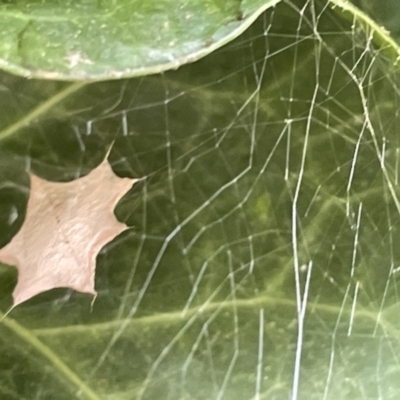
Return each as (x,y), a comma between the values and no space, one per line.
(66,225)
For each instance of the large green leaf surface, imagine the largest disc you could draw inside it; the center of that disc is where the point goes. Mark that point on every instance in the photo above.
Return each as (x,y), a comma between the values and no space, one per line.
(262,260)
(95,40)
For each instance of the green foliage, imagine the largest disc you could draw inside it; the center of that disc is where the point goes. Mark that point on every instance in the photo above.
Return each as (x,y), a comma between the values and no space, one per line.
(98,40)
(262,260)
(386,13)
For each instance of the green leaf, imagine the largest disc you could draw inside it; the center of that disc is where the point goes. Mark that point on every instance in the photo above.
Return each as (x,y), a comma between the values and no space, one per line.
(386,13)
(263,258)
(98,40)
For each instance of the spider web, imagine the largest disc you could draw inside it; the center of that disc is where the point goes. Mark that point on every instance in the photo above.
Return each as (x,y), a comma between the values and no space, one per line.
(263,257)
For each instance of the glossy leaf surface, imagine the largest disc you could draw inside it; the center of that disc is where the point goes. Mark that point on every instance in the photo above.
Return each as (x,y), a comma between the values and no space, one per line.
(98,40)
